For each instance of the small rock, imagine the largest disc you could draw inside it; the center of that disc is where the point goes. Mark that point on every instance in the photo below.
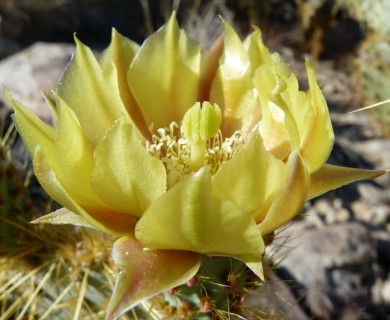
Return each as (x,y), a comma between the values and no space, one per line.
(386,292)
(335,246)
(377,215)
(376,152)
(319,302)
(275,297)
(376,292)
(372,193)
(332,265)
(31,71)
(325,211)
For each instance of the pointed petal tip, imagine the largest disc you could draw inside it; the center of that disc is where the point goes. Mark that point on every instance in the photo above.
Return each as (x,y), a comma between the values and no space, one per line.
(75,38)
(256,29)
(114,32)
(14,103)
(378,173)
(80,45)
(228,27)
(171,21)
(63,216)
(330,177)
(308,62)
(6,91)
(257,269)
(311,72)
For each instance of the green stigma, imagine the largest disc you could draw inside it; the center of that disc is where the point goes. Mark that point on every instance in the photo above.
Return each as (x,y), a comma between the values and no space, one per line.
(200,123)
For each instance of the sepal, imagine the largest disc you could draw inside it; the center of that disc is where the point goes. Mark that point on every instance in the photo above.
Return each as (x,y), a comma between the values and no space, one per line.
(330,177)
(145,273)
(63,216)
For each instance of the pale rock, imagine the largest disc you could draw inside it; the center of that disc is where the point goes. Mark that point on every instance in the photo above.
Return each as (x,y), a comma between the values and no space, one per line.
(275,298)
(376,292)
(32,71)
(327,211)
(331,266)
(373,194)
(373,214)
(386,292)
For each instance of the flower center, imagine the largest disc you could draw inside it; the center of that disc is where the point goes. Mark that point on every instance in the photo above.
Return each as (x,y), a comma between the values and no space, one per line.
(196,143)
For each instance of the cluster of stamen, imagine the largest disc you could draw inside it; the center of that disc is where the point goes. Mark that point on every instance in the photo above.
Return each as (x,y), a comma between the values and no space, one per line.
(219,151)
(172,150)
(169,145)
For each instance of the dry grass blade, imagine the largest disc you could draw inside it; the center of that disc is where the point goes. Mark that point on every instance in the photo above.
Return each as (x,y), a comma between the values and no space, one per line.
(9,312)
(36,291)
(147,17)
(81,296)
(372,106)
(18,283)
(56,302)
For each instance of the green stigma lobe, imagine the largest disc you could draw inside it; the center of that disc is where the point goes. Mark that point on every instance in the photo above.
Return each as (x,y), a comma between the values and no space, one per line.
(201,122)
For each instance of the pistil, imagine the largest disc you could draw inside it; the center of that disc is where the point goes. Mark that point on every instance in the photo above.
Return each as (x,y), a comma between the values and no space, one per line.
(200,123)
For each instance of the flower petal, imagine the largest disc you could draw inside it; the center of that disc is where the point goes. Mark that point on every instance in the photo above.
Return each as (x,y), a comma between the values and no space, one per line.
(289,200)
(146,273)
(250,177)
(121,53)
(75,157)
(126,176)
(93,95)
(330,177)
(319,143)
(258,53)
(63,216)
(32,129)
(257,268)
(187,217)
(209,67)
(164,75)
(104,220)
(233,89)
(272,125)
(281,96)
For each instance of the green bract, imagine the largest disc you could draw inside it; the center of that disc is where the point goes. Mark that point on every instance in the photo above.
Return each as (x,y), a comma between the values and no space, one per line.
(250,151)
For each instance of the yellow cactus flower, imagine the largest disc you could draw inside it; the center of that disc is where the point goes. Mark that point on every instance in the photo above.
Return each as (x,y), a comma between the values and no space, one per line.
(181,153)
